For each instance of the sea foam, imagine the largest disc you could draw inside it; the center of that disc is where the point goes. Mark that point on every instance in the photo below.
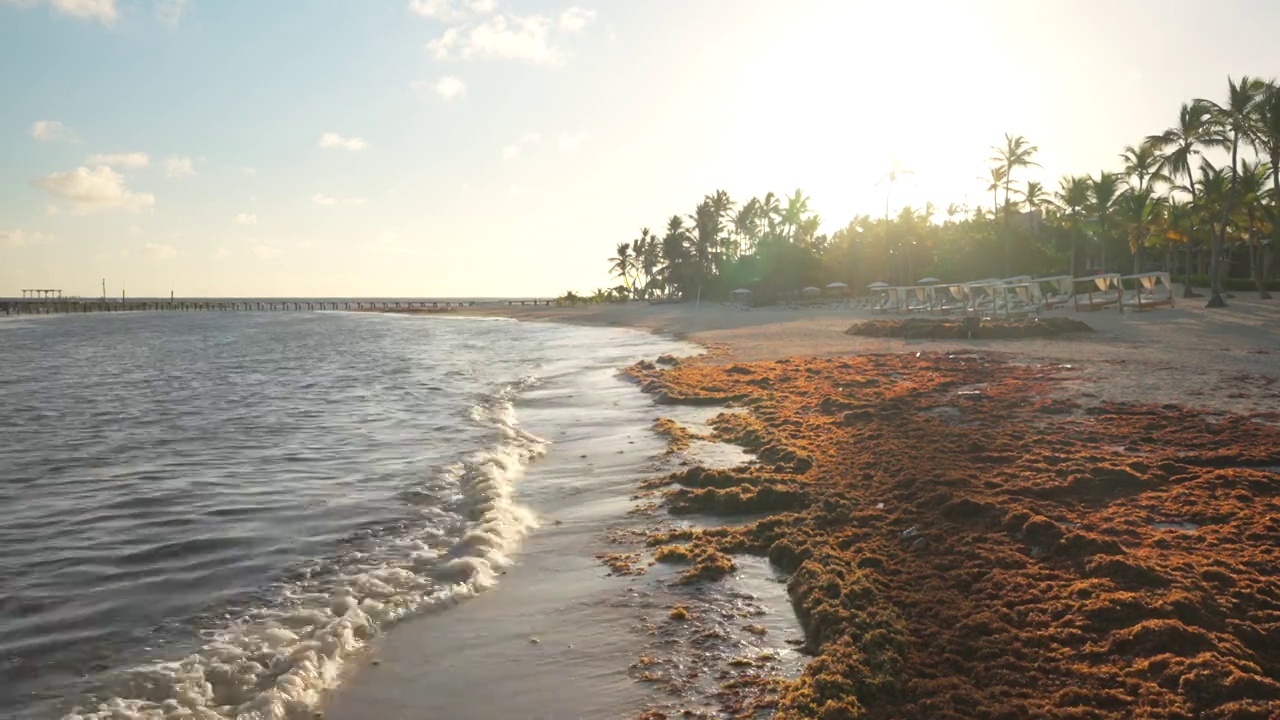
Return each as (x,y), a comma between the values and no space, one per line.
(276,663)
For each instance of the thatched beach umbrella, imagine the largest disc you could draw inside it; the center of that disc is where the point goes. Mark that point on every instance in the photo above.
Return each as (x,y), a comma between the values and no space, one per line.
(811,292)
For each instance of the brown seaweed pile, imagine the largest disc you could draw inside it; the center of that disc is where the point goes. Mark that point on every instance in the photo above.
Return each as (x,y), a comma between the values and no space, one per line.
(964,542)
(955,329)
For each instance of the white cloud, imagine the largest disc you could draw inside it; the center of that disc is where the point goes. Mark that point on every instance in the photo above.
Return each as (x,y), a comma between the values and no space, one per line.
(451,88)
(512,151)
(246,219)
(51,131)
(102,10)
(304,244)
(249,171)
(575,19)
(50,209)
(570,143)
(514,190)
(448,11)
(21,238)
(526,39)
(170,11)
(441,9)
(178,167)
(265,252)
(221,253)
(322,199)
(129,161)
(334,140)
(134,230)
(160,252)
(99,188)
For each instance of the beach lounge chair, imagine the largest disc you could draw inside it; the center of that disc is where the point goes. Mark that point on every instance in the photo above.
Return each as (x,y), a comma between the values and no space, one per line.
(1100,292)
(1150,290)
(950,299)
(1020,299)
(1054,291)
(919,298)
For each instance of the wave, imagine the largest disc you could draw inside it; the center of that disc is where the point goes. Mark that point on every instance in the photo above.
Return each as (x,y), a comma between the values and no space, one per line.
(275,663)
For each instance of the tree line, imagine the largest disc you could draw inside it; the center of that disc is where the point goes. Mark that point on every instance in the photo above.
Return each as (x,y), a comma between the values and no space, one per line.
(1168,201)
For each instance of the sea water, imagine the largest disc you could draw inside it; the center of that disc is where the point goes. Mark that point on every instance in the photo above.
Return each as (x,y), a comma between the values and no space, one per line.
(208,515)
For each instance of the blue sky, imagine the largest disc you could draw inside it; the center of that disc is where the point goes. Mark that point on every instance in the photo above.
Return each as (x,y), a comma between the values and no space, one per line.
(502,147)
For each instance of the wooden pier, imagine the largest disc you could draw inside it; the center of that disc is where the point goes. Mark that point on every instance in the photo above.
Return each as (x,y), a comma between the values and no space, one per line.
(59,306)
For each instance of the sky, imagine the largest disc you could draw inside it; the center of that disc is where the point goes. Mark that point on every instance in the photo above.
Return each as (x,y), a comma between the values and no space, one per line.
(502,148)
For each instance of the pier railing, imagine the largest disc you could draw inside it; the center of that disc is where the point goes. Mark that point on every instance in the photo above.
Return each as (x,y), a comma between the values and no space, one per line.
(28,306)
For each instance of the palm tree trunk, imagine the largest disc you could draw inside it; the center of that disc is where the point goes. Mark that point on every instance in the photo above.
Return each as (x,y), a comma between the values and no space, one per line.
(1220,236)
(1255,260)
(1187,290)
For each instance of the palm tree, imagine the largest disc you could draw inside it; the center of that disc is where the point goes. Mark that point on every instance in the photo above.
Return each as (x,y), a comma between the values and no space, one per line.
(1253,186)
(722,207)
(891,178)
(1034,196)
(797,209)
(1142,163)
(1267,140)
(1232,122)
(770,212)
(1073,199)
(675,270)
(622,263)
(1016,153)
(646,257)
(1181,145)
(1103,191)
(706,238)
(996,181)
(1141,212)
(746,223)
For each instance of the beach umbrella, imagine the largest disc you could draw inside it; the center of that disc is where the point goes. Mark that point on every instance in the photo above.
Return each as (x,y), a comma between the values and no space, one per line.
(837,286)
(742,291)
(928,281)
(877,285)
(810,291)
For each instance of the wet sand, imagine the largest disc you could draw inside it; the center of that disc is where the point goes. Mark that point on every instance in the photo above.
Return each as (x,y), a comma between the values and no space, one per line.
(1078,527)
(562,636)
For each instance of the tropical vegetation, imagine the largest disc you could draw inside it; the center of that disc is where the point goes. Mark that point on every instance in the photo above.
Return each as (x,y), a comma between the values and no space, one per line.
(1201,197)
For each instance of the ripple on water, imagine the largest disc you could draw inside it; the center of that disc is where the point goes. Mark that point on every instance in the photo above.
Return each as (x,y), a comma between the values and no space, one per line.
(257,493)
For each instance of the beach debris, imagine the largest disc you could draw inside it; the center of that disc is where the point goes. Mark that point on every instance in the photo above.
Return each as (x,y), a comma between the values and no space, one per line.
(533,640)
(668,360)
(680,613)
(952,329)
(909,533)
(879,506)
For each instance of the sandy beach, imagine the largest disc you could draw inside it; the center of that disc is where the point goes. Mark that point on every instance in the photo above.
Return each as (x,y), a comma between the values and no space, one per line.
(1078,526)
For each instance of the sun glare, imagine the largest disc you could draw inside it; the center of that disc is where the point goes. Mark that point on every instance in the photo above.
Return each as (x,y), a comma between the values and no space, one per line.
(867,85)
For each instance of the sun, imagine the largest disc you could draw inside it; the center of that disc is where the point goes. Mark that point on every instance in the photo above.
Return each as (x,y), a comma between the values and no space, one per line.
(859,88)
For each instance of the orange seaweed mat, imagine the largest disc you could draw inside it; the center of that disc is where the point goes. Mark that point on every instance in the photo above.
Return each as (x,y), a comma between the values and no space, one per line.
(966,542)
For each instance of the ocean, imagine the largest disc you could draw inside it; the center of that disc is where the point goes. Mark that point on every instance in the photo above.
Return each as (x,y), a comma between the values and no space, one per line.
(214,513)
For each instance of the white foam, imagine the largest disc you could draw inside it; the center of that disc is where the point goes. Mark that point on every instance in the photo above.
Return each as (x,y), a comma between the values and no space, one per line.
(274,664)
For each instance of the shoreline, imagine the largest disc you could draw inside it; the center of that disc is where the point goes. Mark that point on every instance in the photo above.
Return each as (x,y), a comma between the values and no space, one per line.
(558,636)
(1128,362)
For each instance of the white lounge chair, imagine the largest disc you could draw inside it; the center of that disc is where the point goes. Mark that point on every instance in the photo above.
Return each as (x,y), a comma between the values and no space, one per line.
(1100,292)
(1151,290)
